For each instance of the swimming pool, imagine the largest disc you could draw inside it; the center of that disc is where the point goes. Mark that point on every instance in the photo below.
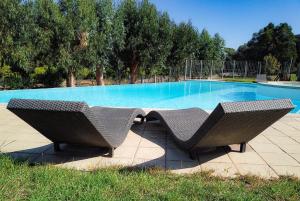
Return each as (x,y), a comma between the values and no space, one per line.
(172,95)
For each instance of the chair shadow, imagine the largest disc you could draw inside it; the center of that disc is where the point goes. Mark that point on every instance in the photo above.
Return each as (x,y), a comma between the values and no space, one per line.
(205,156)
(70,153)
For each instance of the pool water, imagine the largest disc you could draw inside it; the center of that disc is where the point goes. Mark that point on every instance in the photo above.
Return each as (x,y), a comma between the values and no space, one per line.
(171,95)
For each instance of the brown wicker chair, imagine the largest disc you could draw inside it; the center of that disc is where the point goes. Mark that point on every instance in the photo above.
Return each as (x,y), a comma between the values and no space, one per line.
(75,122)
(230,123)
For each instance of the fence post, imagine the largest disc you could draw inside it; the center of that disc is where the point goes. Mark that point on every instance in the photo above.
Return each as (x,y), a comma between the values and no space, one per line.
(212,64)
(169,74)
(289,70)
(233,69)
(191,69)
(259,65)
(246,69)
(185,69)
(223,66)
(201,69)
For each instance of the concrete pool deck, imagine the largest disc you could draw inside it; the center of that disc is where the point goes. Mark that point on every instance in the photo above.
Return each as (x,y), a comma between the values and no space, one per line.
(273,153)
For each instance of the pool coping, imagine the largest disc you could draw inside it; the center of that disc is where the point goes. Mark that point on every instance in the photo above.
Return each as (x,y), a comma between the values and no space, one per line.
(278,86)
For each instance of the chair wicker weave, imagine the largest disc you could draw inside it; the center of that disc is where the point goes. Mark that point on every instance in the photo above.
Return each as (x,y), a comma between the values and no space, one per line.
(75,122)
(230,123)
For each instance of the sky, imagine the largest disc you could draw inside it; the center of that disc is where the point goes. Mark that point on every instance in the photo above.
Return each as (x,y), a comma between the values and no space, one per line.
(234,20)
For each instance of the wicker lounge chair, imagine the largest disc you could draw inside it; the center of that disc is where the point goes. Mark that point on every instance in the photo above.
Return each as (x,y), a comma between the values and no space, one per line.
(75,122)
(230,123)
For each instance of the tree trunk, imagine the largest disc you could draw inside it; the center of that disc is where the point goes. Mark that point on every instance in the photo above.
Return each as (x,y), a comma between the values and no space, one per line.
(70,79)
(99,76)
(133,72)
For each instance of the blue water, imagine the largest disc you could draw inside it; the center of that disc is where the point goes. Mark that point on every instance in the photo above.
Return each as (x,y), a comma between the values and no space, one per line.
(175,95)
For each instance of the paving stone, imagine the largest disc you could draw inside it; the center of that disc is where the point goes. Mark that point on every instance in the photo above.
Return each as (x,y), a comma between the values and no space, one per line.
(292,133)
(125,152)
(78,151)
(295,156)
(23,156)
(171,144)
(291,148)
(81,163)
(132,140)
(154,142)
(260,139)
(94,163)
(266,148)
(145,163)
(178,154)
(279,159)
(287,170)
(183,167)
(296,138)
(271,132)
(246,158)
(256,170)
(294,124)
(219,156)
(108,162)
(150,153)
(53,159)
(282,140)
(220,169)
(284,128)
(20,146)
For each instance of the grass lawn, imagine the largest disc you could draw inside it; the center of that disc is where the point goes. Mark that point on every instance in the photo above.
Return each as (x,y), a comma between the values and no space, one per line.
(246,79)
(19,181)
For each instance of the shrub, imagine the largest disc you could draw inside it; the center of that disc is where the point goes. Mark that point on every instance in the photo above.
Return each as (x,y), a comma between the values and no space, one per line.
(293,77)
(272,64)
(10,79)
(48,76)
(83,73)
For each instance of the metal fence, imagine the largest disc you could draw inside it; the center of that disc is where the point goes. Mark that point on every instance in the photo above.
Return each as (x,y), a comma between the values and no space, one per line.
(213,69)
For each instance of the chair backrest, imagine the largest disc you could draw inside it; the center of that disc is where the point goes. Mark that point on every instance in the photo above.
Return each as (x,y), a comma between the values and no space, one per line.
(239,122)
(61,121)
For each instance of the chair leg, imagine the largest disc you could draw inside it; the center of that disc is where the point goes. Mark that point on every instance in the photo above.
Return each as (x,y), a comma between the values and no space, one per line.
(193,155)
(111,152)
(243,147)
(142,120)
(56,146)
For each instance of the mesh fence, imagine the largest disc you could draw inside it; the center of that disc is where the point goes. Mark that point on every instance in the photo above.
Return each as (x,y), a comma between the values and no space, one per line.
(213,70)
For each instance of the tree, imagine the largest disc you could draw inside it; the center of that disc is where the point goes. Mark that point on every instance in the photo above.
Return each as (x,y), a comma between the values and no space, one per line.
(142,32)
(218,52)
(285,43)
(184,44)
(16,48)
(163,44)
(46,40)
(276,40)
(229,53)
(109,36)
(79,20)
(205,46)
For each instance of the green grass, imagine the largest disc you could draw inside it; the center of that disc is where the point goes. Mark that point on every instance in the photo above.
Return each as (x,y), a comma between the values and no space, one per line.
(247,79)
(19,181)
